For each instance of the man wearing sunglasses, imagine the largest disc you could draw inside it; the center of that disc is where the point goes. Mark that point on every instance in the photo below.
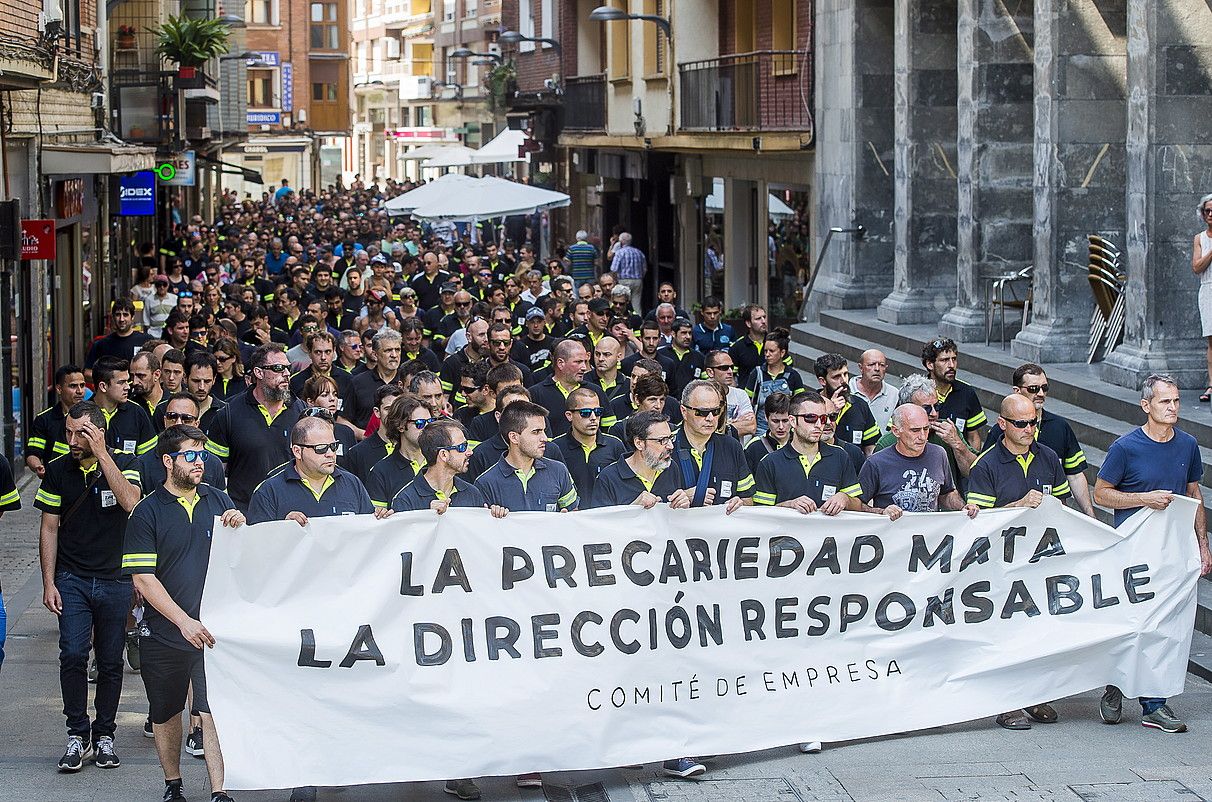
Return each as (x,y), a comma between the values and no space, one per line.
(406,418)
(178,410)
(569,364)
(1017,471)
(250,434)
(1053,431)
(167,551)
(713,467)
(439,487)
(586,447)
(312,485)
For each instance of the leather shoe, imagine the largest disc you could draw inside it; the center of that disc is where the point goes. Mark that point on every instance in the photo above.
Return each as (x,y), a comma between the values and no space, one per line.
(1044,714)
(1014,720)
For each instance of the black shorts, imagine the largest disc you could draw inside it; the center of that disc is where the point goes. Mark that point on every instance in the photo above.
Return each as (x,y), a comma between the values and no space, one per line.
(167,674)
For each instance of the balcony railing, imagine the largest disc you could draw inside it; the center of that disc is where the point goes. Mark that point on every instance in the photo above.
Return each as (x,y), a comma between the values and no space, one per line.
(585,103)
(768,90)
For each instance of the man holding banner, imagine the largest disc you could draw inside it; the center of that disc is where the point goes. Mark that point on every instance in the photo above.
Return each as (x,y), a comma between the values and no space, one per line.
(1148,467)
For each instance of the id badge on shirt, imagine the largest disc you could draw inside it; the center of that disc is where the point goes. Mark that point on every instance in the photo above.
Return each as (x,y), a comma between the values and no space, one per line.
(108,499)
(553,507)
(959,425)
(828,492)
(340,404)
(1046,490)
(725,489)
(129,446)
(857,437)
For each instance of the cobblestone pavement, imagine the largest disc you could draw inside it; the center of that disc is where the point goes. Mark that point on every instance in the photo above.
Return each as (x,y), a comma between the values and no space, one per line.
(1077,759)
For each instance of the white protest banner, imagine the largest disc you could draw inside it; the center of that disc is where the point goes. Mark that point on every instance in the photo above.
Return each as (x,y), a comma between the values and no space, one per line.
(428,647)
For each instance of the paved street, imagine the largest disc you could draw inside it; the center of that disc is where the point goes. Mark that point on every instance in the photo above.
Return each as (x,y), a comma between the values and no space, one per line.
(1078,759)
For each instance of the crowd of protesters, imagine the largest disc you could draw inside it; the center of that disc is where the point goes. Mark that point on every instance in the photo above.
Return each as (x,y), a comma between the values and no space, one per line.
(308,355)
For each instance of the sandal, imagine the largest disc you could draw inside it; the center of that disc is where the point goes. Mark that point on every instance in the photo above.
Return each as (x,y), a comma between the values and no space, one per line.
(1206,397)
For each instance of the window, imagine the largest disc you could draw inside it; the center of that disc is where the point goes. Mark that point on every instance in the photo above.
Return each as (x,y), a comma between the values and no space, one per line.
(655,46)
(448,10)
(470,8)
(323,93)
(783,37)
(746,30)
(618,65)
(325,29)
(391,48)
(261,12)
(263,88)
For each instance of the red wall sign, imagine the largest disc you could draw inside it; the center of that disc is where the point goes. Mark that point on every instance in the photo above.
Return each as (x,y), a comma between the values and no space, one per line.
(37,239)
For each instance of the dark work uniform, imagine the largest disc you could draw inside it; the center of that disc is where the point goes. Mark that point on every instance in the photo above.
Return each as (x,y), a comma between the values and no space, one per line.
(619,388)
(622,409)
(48,434)
(153,475)
(787,474)
(227,389)
(548,487)
(113,345)
(287,492)
(88,575)
(362,403)
(339,375)
(452,370)
(250,444)
(730,474)
(170,539)
(490,451)
(746,355)
(962,407)
(999,478)
(856,424)
(417,495)
(585,465)
(618,484)
(680,370)
(428,289)
(757,450)
(856,454)
(427,358)
(129,428)
(388,476)
(1056,433)
(552,397)
(204,422)
(365,455)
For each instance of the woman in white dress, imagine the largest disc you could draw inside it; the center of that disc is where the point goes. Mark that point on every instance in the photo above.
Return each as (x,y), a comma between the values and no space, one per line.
(1201,259)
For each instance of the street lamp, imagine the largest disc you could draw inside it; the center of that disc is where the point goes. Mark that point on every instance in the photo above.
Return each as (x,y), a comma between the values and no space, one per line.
(464,52)
(513,38)
(232,21)
(613,14)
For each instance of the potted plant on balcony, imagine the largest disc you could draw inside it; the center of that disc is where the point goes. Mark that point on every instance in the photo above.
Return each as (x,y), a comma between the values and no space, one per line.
(125,39)
(189,42)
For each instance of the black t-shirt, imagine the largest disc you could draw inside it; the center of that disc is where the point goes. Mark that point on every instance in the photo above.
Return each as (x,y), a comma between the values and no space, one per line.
(365,455)
(167,538)
(249,444)
(115,346)
(389,476)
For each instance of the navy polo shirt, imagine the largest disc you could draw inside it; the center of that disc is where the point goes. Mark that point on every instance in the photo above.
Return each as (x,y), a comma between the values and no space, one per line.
(129,428)
(388,477)
(1056,433)
(706,340)
(489,452)
(547,488)
(962,407)
(418,494)
(170,539)
(48,434)
(585,465)
(998,478)
(787,474)
(856,424)
(286,492)
(250,442)
(362,391)
(365,455)
(680,370)
(617,484)
(730,474)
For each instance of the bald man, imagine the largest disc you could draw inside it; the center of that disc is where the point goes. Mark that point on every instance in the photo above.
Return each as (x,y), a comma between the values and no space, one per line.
(871,387)
(912,476)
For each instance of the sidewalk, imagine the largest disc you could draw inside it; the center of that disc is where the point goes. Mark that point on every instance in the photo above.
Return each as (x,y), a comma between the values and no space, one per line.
(1077,759)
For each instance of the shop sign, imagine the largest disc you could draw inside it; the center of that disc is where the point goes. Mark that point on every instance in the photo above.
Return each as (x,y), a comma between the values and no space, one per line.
(137,194)
(69,198)
(37,239)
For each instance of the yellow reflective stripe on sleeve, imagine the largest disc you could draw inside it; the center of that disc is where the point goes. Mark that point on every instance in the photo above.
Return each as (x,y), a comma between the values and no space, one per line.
(978,419)
(854,491)
(764,499)
(745,483)
(871,433)
(36,442)
(61,448)
(568,499)
(10,498)
(219,451)
(609,420)
(139,560)
(132,475)
(50,499)
(1077,459)
(447,386)
(981,500)
(379,505)
(1061,489)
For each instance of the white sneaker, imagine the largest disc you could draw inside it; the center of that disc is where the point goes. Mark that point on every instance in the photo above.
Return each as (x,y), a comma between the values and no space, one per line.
(810,747)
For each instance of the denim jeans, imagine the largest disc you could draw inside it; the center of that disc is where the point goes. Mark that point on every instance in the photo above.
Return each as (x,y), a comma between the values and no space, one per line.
(94,613)
(3,629)
(1149,704)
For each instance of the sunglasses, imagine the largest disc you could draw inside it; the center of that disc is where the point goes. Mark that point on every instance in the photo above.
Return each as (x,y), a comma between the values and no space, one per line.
(814,417)
(723,367)
(461,447)
(590,412)
(317,412)
(185,294)
(1021,424)
(484,275)
(463,303)
(320,448)
(191,455)
(704,413)
(421,423)
(1032,389)
(181,417)
(276,368)
(932,408)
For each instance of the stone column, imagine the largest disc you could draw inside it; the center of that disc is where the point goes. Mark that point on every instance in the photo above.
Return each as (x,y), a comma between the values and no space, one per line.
(994,149)
(1080,82)
(924,187)
(854,160)
(1169,160)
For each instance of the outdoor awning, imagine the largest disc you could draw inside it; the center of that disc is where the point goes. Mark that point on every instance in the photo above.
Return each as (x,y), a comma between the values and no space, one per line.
(96,158)
(503,148)
(451,185)
(455,156)
(491,197)
(427,152)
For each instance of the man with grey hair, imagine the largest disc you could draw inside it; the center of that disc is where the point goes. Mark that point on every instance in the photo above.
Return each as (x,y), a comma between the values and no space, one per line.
(388,346)
(1147,467)
(582,257)
(630,265)
(918,389)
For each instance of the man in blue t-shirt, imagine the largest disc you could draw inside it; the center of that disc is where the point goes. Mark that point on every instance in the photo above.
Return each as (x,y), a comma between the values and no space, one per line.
(1147,467)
